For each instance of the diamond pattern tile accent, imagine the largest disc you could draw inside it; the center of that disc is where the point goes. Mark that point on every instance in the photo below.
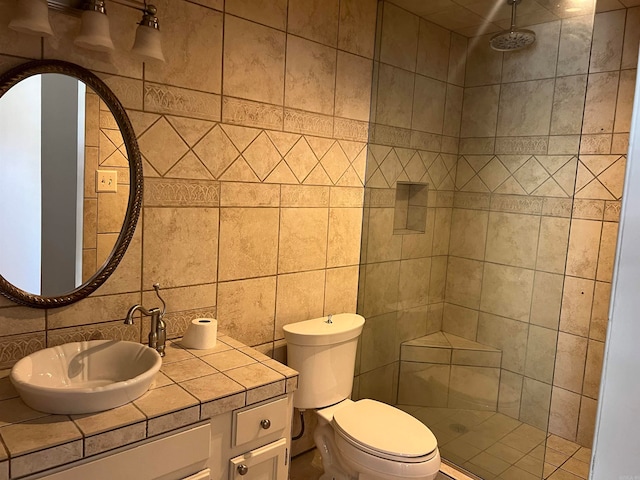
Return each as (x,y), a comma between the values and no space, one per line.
(493,174)
(477,162)
(116,159)
(318,177)
(391,168)
(513,162)
(404,155)
(613,177)
(360,164)
(428,158)
(162,146)
(241,136)
(282,174)
(415,168)
(566,176)
(350,179)
(301,159)
(584,176)
(319,145)
(262,156)
(191,130)
(240,171)
(190,167)
(335,162)
(283,141)
(216,151)
(379,153)
(550,188)
(553,163)
(106,147)
(511,187)
(438,170)
(464,173)
(598,163)
(141,121)
(352,149)
(531,175)
(475,185)
(595,190)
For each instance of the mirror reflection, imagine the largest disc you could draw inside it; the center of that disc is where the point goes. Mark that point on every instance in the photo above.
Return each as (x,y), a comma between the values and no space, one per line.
(64,184)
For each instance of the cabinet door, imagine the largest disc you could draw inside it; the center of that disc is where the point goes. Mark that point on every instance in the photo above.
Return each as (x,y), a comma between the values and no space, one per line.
(265,463)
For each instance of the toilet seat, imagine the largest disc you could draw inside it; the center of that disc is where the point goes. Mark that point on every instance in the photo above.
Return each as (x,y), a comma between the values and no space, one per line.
(384,431)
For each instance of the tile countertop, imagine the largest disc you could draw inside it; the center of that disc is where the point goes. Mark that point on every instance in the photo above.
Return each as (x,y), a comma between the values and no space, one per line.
(192,385)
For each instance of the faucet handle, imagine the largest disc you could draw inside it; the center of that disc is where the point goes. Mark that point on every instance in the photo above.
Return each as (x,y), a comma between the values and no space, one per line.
(156,287)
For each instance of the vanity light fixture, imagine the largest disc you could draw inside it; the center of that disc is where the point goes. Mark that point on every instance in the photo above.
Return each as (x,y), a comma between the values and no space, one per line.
(147,41)
(94,29)
(32,17)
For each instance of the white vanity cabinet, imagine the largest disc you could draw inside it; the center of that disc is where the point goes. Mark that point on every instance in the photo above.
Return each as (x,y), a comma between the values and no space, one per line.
(249,443)
(253,442)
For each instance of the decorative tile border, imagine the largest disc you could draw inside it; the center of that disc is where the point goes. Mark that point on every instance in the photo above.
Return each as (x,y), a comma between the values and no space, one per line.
(347,129)
(516,204)
(478,201)
(426,141)
(163,192)
(299,121)
(595,144)
(477,146)
(384,135)
(254,114)
(180,101)
(612,211)
(522,145)
(557,207)
(14,347)
(588,209)
(128,90)
(100,331)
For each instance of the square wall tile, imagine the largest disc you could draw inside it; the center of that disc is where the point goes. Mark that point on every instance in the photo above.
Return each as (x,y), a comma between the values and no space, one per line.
(382,244)
(584,242)
(541,351)
(194,55)
(166,232)
(464,282)
(593,369)
(428,105)
(575,45)
(600,311)
(607,252)
(344,236)
(434,45)
(314,19)
(394,97)
(507,291)
(254,58)
(536,400)
(341,290)
(357,26)
(300,297)
(399,39)
(507,335)
(381,288)
(539,60)
(460,321)
(587,421)
(248,242)
(311,67)
(553,244)
(570,362)
(457,60)
(547,299)
(510,393)
(468,233)
(380,384)
(480,111)
(423,384)
(525,108)
(563,417)
(606,52)
(303,239)
(483,65)
(577,301)
(379,346)
(246,309)
(600,105)
(413,289)
(631,39)
(568,105)
(353,86)
(267,12)
(512,239)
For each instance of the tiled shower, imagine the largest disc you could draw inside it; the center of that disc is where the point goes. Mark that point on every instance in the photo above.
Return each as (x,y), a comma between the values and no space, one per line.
(489,323)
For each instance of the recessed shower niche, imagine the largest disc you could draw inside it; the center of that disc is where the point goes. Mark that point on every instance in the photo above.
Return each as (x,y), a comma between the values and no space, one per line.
(410,211)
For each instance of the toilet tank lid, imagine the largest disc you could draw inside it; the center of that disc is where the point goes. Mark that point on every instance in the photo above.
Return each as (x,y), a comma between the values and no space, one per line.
(318,331)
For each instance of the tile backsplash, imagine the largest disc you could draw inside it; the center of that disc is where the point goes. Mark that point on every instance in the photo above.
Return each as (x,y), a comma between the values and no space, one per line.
(253,186)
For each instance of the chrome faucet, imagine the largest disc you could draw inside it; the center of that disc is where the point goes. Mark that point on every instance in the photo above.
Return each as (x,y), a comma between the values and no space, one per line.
(158,330)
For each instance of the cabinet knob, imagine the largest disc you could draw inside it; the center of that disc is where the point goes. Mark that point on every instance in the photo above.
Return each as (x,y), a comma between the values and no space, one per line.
(266,424)
(243,469)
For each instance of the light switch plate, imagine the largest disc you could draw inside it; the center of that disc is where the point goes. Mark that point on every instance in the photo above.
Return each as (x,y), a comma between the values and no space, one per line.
(106,181)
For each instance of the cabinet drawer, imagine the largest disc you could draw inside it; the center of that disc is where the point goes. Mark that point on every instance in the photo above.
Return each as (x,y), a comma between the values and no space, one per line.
(260,421)
(264,463)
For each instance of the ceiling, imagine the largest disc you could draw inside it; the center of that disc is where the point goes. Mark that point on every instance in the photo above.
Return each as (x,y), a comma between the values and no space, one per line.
(476,17)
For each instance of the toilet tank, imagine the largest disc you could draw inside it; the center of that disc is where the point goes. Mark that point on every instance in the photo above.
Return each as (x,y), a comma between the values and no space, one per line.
(324,353)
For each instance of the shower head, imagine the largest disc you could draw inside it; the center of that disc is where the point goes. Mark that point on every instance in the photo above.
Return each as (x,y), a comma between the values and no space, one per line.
(512,39)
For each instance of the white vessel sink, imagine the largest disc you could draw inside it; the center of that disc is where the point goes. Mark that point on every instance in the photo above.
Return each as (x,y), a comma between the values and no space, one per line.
(85,377)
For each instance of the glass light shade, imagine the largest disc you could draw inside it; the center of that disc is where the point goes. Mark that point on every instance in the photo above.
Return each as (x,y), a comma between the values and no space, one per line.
(94,32)
(32,17)
(148,43)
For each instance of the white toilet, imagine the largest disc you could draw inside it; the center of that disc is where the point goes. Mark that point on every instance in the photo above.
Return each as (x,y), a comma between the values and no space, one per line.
(364,440)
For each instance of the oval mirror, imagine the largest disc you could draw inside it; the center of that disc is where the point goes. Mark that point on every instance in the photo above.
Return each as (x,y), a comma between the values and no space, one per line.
(70,183)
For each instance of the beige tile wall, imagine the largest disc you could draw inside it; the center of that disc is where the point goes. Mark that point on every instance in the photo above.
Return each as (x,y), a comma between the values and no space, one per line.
(535,215)
(253,137)
(415,118)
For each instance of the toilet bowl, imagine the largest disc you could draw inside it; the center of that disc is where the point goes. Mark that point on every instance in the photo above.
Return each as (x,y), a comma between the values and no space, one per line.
(365,439)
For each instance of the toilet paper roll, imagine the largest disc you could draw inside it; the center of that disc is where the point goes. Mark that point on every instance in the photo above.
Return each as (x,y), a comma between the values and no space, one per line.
(201,334)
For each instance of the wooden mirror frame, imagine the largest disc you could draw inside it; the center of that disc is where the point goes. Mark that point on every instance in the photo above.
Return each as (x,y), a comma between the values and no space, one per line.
(21,72)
